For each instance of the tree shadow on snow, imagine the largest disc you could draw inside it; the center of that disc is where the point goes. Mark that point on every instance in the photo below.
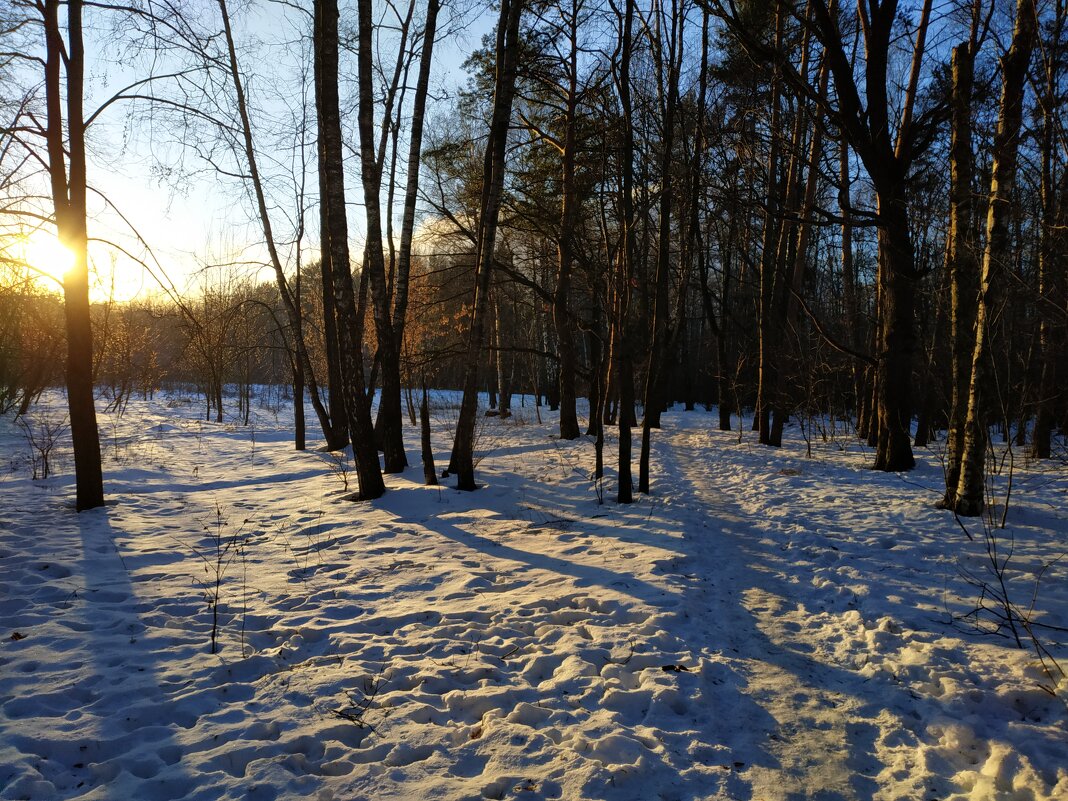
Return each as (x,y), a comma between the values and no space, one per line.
(714,701)
(821,711)
(135,751)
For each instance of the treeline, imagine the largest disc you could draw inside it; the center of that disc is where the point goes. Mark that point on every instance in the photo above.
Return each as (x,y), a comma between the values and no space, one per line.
(227,337)
(221,338)
(788,209)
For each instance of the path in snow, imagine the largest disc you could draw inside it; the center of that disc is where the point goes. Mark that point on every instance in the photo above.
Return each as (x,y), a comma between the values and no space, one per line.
(843,635)
(815,737)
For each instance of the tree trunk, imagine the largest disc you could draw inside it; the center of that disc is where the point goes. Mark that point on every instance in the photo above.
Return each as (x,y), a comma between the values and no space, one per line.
(962,261)
(970,501)
(430,477)
(625,372)
(463,448)
(598,365)
(622,345)
(896,335)
(69,202)
(299,426)
(389,404)
(337,437)
(349,323)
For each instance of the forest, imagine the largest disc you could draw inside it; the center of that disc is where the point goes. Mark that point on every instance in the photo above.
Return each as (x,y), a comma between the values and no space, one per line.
(504,398)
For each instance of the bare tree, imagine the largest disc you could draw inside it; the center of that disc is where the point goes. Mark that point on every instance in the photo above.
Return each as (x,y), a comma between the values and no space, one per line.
(970,493)
(64,80)
(336,242)
(962,260)
(462,460)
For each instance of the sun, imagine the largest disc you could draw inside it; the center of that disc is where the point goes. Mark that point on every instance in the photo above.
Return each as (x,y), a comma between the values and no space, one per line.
(48,263)
(48,257)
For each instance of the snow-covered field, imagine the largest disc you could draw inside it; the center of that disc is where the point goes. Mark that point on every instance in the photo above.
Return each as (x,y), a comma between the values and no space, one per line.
(763,626)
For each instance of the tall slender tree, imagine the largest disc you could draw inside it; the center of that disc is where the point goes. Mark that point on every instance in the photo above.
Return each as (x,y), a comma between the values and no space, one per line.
(962,259)
(970,495)
(569,202)
(411,190)
(669,50)
(374,257)
(622,357)
(506,51)
(65,142)
(336,241)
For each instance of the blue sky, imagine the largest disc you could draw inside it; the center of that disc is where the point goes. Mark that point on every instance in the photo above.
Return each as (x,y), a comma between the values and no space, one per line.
(203,218)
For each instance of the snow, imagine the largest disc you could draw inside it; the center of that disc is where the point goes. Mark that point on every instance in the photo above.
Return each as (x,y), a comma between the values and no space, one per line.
(763,626)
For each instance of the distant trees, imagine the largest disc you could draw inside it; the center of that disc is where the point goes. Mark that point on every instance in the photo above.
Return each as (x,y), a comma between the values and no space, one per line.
(31,339)
(245,136)
(1052,278)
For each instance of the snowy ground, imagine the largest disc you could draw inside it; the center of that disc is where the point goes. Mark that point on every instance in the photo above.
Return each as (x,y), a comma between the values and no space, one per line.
(763,626)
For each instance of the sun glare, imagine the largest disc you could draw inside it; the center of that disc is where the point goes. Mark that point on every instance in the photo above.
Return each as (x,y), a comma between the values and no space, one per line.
(47,256)
(49,262)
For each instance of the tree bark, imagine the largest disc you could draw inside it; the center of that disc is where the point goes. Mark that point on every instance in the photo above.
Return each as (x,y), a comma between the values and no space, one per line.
(430,477)
(69,203)
(336,239)
(299,425)
(463,448)
(970,501)
(338,436)
(390,413)
(962,261)
(896,335)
